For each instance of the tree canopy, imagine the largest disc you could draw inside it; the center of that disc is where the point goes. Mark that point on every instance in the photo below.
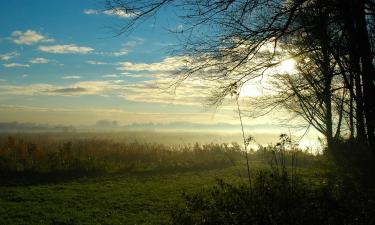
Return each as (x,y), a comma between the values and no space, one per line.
(231,42)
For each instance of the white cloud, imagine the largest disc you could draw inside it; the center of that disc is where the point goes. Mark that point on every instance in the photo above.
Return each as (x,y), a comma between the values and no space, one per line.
(39,60)
(93,62)
(190,92)
(9,55)
(179,28)
(126,48)
(101,88)
(134,75)
(111,12)
(119,12)
(134,43)
(169,64)
(151,88)
(110,76)
(65,49)
(71,77)
(11,65)
(121,52)
(90,11)
(149,91)
(29,37)
(33,89)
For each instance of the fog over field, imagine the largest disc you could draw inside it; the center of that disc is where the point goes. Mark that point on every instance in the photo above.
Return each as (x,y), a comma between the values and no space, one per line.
(172,133)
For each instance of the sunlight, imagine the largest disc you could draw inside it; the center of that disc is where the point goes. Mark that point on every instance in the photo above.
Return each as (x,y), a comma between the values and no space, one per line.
(255,88)
(251,90)
(287,66)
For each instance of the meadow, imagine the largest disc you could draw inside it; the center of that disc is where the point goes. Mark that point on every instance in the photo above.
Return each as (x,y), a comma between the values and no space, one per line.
(63,179)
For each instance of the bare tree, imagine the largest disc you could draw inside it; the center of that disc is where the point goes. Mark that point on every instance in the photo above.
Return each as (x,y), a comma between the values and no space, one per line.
(232,42)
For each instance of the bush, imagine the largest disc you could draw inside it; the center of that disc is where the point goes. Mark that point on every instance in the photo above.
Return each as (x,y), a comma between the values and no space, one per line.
(353,160)
(278,196)
(276,199)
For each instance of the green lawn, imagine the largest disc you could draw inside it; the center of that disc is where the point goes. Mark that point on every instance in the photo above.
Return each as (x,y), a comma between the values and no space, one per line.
(142,198)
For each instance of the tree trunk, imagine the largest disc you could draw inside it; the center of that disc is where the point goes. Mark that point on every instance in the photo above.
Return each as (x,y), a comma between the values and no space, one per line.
(355,69)
(327,75)
(351,107)
(368,71)
(360,122)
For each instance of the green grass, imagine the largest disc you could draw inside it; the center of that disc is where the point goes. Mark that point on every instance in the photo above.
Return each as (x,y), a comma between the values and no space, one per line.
(142,198)
(48,181)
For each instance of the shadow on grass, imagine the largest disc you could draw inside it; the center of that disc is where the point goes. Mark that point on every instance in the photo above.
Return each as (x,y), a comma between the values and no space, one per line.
(33,178)
(56,177)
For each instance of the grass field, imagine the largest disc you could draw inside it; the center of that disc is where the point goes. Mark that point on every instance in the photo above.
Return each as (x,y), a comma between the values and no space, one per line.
(142,198)
(46,181)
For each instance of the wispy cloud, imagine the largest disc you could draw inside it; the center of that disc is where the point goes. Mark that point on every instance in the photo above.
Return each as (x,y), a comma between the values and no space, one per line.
(25,90)
(69,90)
(29,37)
(188,93)
(111,76)
(94,62)
(121,52)
(125,49)
(119,13)
(101,88)
(152,87)
(8,56)
(191,92)
(71,77)
(112,12)
(65,49)
(39,60)
(169,64)
(133,43)
(11,65)
(91,11)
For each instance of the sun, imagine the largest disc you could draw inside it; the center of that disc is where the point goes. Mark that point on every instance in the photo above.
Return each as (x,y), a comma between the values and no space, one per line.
(287,66)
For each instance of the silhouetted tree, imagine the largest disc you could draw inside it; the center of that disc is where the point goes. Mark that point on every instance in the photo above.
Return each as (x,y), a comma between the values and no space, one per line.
(233,41)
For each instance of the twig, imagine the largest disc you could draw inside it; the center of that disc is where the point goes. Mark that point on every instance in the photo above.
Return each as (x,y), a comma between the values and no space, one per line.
(244,140)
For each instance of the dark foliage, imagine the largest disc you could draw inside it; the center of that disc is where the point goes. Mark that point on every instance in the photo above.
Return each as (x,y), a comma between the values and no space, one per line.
(276,198)
(280,195)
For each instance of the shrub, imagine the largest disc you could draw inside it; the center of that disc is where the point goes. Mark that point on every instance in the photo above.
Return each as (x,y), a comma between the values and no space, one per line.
(278,196)
(275,198)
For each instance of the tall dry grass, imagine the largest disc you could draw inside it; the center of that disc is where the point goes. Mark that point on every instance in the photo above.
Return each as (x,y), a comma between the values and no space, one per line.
(44,155)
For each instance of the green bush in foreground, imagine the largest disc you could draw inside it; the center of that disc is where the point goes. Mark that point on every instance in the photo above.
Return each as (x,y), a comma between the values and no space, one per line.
(274,198)
(279,196)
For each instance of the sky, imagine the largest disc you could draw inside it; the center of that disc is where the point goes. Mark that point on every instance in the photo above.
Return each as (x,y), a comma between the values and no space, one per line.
(61,62)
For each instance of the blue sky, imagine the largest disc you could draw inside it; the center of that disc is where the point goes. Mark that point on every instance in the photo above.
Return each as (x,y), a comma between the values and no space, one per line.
(60,63)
